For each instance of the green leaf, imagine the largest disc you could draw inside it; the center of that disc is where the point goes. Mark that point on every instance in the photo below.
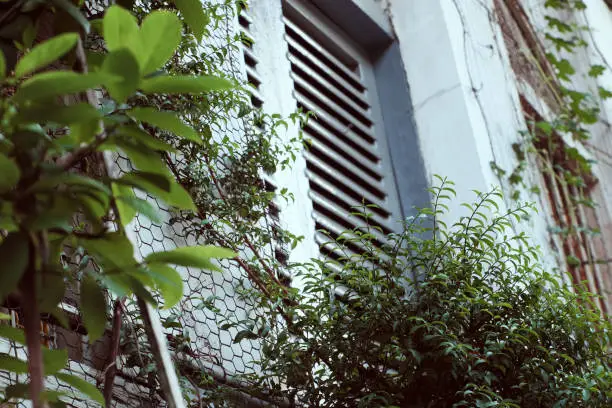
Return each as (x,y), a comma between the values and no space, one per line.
(244,334)
(54,360)
(21,391)
(546,127)
(196,256)
(586,395)
(51,183)
(74,12)
(2,66)
(13,364)
(194,16)
(119,284)
(53,397)
(54,291)
(29,35)
(140,275)
(113,251)
(45,53)
(185,84)
(147,182)
(12,334)
(18,390)
(93,306)
(120,28)
(7,221)
(160,36)
(14,252)
(94,60)
(58,213)
(161,186)
(141,207)
(179,198)
(126,284)
(10,174)
(93,209)
(142,136)
(167,121)
(123,64)
(126,212)
(29,136)
(62,115)
(168,281)
(85,131)
(49,84)
(596,70)
(141,157)
(83,386)
(604,93)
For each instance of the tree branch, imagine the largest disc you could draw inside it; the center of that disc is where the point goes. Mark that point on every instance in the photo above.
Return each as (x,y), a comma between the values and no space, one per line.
(68,161)
(31,326)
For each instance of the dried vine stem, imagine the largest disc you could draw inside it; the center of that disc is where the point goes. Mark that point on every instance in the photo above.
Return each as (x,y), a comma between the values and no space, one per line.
(111,366)
(247,241)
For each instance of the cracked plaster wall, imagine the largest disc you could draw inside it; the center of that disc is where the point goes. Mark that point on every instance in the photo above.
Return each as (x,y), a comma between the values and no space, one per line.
(466,95)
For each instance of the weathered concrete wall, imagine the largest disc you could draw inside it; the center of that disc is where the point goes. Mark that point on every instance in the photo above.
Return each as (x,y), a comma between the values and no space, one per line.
(465,96)
(465,89)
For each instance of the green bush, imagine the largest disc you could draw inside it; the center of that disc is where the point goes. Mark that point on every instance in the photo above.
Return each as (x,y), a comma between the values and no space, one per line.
(484,326)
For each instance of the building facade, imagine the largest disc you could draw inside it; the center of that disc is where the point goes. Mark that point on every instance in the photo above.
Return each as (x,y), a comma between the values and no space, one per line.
(403,90)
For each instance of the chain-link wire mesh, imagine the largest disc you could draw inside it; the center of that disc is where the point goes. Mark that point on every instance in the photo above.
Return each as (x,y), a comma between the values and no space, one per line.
(202,345)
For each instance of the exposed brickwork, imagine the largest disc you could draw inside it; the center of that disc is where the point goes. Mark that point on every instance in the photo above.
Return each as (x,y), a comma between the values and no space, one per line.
(527,55)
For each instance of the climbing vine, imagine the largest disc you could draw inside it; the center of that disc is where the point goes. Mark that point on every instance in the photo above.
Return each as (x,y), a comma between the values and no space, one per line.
(228,176)
(558,143)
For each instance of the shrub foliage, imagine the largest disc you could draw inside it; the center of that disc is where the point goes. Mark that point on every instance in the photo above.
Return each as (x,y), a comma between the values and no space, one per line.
(482,326)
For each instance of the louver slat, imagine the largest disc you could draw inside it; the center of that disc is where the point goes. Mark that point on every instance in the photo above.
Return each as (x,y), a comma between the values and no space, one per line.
(301,57)
(339,155)
(340,131)
(332,92)
(325,55)
(308,90)
(250,60)
(342,157)
(352,179)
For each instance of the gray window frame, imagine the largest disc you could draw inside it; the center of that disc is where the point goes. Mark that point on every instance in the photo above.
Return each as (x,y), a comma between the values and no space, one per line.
(366,23)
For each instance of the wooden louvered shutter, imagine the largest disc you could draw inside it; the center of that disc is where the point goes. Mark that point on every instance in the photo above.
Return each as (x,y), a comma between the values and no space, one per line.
(347,158)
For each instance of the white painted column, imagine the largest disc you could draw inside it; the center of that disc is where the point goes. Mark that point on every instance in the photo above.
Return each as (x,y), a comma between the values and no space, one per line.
(465,97)
(277,92)
(453,138)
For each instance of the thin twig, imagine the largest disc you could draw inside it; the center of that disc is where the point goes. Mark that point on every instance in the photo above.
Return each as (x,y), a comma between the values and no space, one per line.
(246,239)
(196,387)
(72,159)
(9,13)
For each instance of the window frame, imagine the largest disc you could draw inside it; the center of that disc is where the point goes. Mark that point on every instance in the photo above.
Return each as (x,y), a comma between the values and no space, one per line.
(365,22)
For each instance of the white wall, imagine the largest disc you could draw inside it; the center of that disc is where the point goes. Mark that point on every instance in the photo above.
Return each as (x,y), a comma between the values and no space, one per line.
(465,97)
(274,70)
